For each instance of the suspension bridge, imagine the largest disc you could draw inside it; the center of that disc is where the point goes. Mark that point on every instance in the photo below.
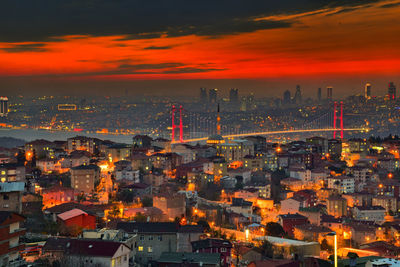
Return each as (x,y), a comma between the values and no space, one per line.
(198,127)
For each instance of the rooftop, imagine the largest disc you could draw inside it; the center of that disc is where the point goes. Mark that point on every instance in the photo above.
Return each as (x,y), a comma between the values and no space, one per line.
(12,187)
(71,214)
(86,247)
(179,258)
(210,243)
(148,227)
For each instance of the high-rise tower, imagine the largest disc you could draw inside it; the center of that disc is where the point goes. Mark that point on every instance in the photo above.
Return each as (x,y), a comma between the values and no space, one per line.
(329,92)
(218,121)
(319,95)
(212,95)
(392,91)
(3,106)
(297,95)
(234,95)
(367,91)
(203,95)
(286,97)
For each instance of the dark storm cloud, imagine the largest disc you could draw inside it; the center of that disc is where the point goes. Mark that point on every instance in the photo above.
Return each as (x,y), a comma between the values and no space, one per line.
(132,67)
(190,70)
(19,48)
(344,10)
(390,5)
(43,20)
(138,69)
(158,47)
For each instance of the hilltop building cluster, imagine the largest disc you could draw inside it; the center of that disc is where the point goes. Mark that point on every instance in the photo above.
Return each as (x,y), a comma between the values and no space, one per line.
(242,202)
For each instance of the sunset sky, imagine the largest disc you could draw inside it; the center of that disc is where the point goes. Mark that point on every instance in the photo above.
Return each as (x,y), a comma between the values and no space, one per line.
(153,46)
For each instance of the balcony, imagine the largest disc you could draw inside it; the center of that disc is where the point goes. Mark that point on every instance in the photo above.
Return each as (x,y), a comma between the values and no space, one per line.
(17,247)
(17,232)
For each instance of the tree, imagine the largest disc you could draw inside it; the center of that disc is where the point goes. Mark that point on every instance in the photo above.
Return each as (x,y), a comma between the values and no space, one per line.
(276,178)
(239,182)
(325,245)
(65,179)
(126,196)
(267,249)
(114,212)
(274,229)
(81,197)
(205,225)
(21,157)
(147,202)
(140,218)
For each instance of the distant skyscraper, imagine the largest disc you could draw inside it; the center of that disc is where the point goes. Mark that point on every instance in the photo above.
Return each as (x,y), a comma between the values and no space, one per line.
(319,94)
(3,106)
(367,91)
(203,95)
(297,95)
(286,97)
(392,91)
(234,95)
(329,90)
(212,95)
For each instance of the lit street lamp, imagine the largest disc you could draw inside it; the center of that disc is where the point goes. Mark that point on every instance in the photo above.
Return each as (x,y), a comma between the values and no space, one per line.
(335,248)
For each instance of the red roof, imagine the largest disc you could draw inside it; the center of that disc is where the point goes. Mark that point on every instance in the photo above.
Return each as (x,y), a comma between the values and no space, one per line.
(71,214)
(87,247)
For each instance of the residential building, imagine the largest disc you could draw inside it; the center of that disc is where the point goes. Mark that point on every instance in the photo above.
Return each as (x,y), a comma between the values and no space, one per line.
(213,245)
(12,172)
(369,213)
(336,206)
(11,196)
(57,195)
(289,221)
(235,150)
(118,152)
(172,205)
(77,218)
(142,141)
(10,233)
(311,232)
(76,158)
(84,178)
(389,203)
(184,259)
(152,239)
(292,205)
(88,144)
(186,235)
(343,184)
(40,148)
(86,252)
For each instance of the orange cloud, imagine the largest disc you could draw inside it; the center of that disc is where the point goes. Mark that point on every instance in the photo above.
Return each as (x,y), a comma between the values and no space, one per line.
(343,42)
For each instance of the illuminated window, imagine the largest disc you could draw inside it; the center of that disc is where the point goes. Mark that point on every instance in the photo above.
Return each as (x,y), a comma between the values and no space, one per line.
(150,249)
(140,248)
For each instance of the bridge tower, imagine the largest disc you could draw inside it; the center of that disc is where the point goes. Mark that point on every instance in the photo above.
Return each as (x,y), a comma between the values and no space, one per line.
(173,124)
(334,119)
(341,119)
(180,125)
(335,104)
(218,122)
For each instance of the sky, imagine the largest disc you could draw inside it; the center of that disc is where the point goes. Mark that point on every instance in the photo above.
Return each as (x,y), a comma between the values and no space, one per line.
(174,47)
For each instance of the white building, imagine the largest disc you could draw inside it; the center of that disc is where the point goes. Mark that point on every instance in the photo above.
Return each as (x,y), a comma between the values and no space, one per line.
(343,184)
(370,213)
(235,150)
